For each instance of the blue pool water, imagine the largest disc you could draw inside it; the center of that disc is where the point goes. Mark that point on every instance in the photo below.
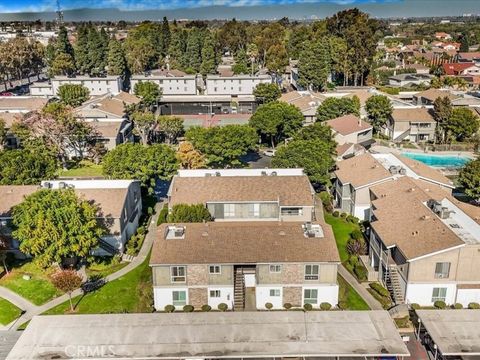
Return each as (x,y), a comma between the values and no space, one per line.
(438,160)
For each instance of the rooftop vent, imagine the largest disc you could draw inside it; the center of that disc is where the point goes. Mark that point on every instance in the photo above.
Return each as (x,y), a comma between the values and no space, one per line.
(218,173)
(62,185)
(264,173)
(274,173)
(208,174)
(47,185)
(393,170)
(174,232)
(312,230)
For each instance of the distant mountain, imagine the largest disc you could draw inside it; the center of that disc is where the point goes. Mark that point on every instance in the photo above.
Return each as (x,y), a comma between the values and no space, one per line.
(394,9)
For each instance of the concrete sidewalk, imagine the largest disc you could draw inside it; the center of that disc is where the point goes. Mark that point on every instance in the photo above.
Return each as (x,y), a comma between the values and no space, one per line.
(16,299)
(139,259)
(360,289)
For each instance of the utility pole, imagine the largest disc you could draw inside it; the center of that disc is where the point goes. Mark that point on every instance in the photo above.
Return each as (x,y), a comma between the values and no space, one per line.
(59,15)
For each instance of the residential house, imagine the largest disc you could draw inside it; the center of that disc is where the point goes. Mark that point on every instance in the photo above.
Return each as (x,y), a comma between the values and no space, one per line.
(171,82)
(419,68)
(469,57)
(13,108)
(461,69)
(234,85)
(443,35)
(412,124)
(350,129)
(424,243)
(355,176)
(119,202)
(306,101)
(349,150)
(409,80)
(99,85)
(429,96)
(264,245)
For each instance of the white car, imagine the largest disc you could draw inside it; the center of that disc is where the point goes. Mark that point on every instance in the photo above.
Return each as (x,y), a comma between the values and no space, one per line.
(269,152)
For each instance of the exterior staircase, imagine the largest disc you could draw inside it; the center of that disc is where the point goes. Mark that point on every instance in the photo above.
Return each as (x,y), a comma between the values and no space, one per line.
(107,247)
(393,285)
(239,291)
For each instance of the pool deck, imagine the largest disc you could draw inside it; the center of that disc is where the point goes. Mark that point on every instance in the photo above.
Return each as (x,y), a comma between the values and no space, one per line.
(386,149)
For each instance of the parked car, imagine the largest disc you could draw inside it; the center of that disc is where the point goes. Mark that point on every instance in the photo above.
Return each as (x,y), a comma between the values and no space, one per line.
(7,93)
(269,152)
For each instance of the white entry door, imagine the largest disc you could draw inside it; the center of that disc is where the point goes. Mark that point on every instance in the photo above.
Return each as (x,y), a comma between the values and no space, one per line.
(249,280)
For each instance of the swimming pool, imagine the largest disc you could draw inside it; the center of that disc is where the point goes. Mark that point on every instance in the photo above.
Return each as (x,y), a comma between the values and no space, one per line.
(446,161)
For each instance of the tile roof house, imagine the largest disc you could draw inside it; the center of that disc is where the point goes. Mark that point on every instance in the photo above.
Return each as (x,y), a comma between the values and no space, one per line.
(461,68)
(429,96)
(262,247)
(469,57)
(415,124)
(424,243)
(307,102)
(119,203)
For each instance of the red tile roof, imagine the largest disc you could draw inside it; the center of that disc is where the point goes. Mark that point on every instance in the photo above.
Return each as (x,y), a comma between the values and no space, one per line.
(456,68)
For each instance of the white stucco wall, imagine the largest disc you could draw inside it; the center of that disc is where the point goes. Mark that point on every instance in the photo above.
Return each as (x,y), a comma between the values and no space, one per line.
(422,293)
(326,293)
(163,297)
(226,296)
(466,296)
(362,212)
(262,296)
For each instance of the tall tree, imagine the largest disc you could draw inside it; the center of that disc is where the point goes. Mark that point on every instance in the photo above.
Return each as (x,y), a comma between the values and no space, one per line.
(277,120)
(469,179)
(97,51)
(52,225)
(3,133)
(277,58)
(265,93)
(82,57)
(166,36)
(241,63)
(63,45)
(379,109)
(73,94)
(314,65)
(442,110)
(178,46)
(144,122)
(62,64)
(333,107)
(116,60)
(148,91)
(462,124)
(209,64)
(171,127)
(193,53)
(189,157)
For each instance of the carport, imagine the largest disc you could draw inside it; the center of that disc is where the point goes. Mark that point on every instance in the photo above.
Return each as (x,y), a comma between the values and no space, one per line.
(450,334)
(213,335)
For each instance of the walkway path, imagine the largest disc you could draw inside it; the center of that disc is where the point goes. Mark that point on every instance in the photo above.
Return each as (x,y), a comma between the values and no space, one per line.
(359,288)
(32,310)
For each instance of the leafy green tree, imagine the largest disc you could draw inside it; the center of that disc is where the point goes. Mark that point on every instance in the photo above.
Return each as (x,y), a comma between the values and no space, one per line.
(97,51)
(165,37)
(312,155)
(171,127)
(52,225)
(379,109)
(116,60)
(334,107)
(442,111)
(298,37)
(193,53)
(26,167)
(469,178)
(67,281)
(82,58)
(63,45)
(464,42)
(3,133)
(184,213)
(143,163)
(318,131)
(241,63)
(314,65)
(148,91)
(233,36)
(276,58)
(265,93)
(73,94)
(178,46)
(462,124)
(140,55)
(189,157)
(62,64)
(223,146)
(144,122)
(277,120)
(209,63)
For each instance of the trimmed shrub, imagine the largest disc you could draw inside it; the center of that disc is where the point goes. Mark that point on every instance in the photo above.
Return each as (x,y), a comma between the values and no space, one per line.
(206,308)
(356,247)
(336,213)
(380,289)
(188,308)
(287,306)
(474,305)
(415,306)
(439,304)
(184,213)
(308,307)
(343,215)
(222,307)
(342,305)
(351,219)
(458,306)
(169,308)
(326,201)
(361,272)
(353,260)
(357,235)
(269,306)
(162,215)
(325,306)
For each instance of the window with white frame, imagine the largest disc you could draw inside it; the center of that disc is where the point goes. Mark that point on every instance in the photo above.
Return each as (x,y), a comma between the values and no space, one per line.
(229,210)
(214,269)
(215,293)
(274,292)
(177,274)
(311,272)
(442,270)
(292,211)
(439,294)
(310,296)
(275,268)
(179,298)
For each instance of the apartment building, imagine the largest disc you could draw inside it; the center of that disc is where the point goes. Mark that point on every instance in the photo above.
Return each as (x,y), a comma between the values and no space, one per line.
(119,202)
(350,129)
(412,124)
(171,82)
(235,84)
(424,243)
(96,85)
(265,244)
(355,176)
(306,101)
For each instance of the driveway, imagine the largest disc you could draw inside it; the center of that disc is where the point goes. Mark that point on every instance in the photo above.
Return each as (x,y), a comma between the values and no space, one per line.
(257,161)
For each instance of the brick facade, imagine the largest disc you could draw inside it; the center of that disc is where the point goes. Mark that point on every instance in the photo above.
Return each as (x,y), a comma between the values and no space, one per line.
(197,275)
(197,297)
(293,274)
(292,295)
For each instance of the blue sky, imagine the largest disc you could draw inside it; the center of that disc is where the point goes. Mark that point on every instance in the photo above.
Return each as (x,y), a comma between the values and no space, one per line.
(48,5)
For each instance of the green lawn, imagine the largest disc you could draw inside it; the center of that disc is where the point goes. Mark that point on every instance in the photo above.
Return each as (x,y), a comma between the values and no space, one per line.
(348,295)
(84,168)
(38,289)
(342,230)
(103,267)
(128,294)
(8,312)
